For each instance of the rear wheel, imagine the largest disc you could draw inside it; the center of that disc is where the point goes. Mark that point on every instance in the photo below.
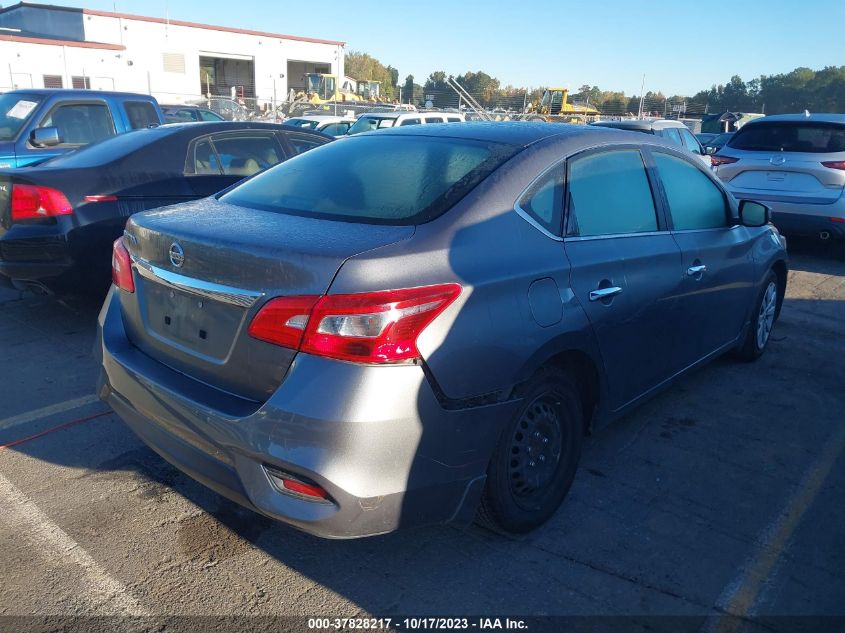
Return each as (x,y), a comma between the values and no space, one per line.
(535,460)
(762,321)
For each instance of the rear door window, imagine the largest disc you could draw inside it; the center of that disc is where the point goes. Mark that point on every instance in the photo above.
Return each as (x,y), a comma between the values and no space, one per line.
(204,159)
(434,119)
(790,136)
(695,201)
(141,114)
(81,123)
(247,153)
(410,122)
(609,193)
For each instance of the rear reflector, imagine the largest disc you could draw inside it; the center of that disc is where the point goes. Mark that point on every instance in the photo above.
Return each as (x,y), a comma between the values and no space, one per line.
(101,198)
(372,327)
(837,220)
(715,160)
(834,164)
(121,267)
(286,482)
(30,202)
(305,489)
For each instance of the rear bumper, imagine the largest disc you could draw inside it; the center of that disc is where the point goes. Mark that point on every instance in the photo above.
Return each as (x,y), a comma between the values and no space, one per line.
(793,218)
(375,438)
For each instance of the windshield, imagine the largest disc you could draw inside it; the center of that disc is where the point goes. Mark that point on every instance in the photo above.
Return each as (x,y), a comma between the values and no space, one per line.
(374,179)
(15,110)
(790,136)
(366,123)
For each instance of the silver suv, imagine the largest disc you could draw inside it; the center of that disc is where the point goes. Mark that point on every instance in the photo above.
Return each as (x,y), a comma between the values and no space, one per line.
(794,163)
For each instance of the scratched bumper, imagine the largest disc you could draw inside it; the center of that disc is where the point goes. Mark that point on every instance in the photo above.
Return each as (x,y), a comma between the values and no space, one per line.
(375,438)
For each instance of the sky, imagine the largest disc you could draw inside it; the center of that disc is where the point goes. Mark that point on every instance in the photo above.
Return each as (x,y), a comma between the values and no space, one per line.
(680,47)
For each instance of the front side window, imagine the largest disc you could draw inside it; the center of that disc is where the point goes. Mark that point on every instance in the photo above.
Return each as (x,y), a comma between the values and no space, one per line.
(336,129)
(689,141)
(81,123)
(544,201)
(609,193)
(673,135)
(695,202)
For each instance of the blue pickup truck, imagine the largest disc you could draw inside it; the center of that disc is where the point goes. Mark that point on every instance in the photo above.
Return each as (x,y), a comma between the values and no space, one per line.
(39,124)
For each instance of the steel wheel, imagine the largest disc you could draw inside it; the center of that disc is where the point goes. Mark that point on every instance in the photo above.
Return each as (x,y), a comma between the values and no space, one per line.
(535,450)
(766,316)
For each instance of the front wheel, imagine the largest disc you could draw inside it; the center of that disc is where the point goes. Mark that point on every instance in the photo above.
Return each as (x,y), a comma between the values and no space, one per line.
(762,321)
(534,462)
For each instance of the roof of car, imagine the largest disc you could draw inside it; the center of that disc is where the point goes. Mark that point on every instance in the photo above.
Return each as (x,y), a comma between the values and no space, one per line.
(510,132)
(814,117)
(79,93)
(210,127)
(321,118)
(640,124)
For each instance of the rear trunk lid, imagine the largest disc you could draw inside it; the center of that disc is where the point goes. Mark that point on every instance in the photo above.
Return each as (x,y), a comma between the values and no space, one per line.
(204,269)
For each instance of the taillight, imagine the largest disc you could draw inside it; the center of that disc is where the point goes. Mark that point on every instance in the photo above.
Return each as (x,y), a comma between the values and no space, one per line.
(372,327)
(30,202)
(715,160)
(834,164)
(101,198)
(121,267)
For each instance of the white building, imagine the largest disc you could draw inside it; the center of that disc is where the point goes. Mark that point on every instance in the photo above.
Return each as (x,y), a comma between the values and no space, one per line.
(45,46)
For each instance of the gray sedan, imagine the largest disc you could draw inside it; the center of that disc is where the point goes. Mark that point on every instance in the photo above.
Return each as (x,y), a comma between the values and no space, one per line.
(421,324)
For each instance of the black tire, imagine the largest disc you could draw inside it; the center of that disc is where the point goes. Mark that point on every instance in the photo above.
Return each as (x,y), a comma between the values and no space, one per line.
(754,344)
(535,460)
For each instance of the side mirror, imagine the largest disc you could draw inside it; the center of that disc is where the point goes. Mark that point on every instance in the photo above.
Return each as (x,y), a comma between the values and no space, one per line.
(45,137)
(754,214)
(710,150)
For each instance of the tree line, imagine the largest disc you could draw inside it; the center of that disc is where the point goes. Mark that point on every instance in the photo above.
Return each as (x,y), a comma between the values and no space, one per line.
(803,88)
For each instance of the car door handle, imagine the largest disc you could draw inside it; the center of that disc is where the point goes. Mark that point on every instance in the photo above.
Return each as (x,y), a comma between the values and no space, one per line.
(692,271)
(604,293)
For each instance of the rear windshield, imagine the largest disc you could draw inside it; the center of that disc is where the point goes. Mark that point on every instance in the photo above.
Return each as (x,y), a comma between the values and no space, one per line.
(790,136)
(15,110)
(374,179)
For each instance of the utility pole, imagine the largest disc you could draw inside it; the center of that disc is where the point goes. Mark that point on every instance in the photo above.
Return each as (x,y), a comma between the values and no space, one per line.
(642,98)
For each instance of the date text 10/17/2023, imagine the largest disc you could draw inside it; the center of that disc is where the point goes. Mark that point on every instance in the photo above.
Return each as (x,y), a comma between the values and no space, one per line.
(418,624)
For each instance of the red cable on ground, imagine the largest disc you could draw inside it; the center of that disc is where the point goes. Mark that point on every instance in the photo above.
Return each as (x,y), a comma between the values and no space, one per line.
(55,428)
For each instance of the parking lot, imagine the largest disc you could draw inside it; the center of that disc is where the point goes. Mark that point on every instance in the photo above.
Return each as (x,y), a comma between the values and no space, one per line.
(725,494)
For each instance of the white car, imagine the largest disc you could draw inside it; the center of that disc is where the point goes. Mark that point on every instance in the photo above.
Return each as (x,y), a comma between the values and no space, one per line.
(378,120)
(327,124)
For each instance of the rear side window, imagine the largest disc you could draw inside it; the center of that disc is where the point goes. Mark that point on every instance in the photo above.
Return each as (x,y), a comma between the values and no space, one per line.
(790,136)
(205,159)
(374,179)
(609,193)
(453,119)
(410,122)
(433,119)
(336,129)
(141,114)
(81,123)
(301,143)
(248,153)
(695,202)
(208,115)
(544,201)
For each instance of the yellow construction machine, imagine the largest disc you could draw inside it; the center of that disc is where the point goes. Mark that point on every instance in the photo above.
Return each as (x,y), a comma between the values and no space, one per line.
(554,106)
(321,88)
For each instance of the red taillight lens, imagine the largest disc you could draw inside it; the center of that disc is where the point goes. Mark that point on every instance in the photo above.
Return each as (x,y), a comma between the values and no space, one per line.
(121,267)
(715,160)
(842,220)
(31,202)
(305,489)
(282,321)
(834,164)
(373,327)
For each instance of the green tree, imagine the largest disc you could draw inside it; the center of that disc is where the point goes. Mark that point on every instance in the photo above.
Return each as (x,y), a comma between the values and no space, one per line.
(363,67)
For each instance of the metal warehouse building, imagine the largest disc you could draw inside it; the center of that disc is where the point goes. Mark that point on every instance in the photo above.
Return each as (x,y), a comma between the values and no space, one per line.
(46,46)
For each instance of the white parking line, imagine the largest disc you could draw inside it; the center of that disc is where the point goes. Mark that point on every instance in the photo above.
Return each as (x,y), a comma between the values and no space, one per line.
(53,409)
(108,595)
